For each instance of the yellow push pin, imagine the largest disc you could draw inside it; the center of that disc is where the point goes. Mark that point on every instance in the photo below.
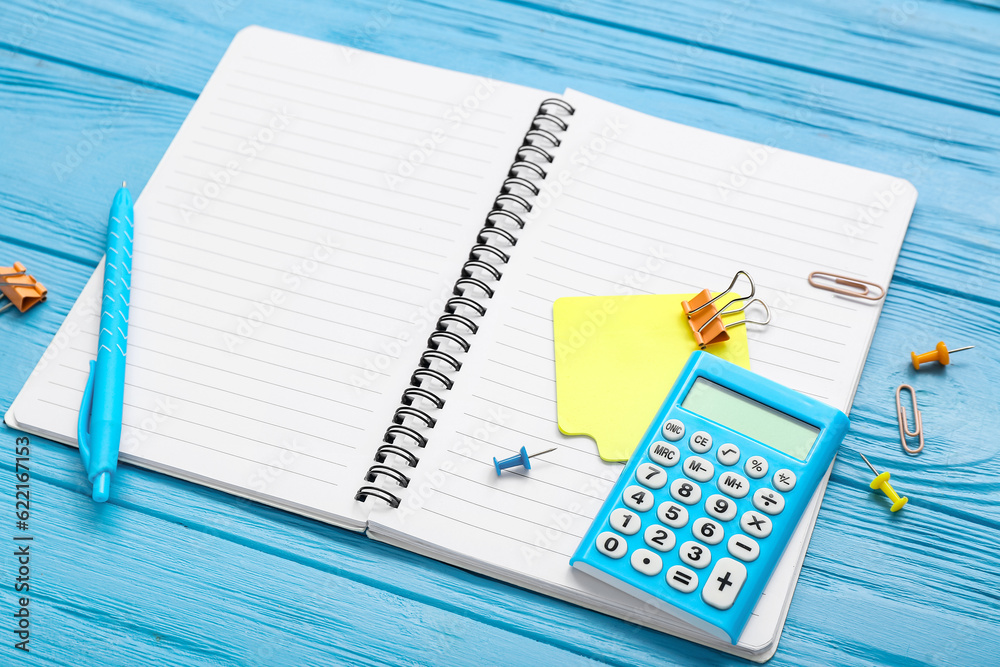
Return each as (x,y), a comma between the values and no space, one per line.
(881,481)
(940,354)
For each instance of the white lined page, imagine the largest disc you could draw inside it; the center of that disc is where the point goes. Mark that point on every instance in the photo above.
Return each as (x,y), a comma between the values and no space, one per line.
(643,215)
(292,251)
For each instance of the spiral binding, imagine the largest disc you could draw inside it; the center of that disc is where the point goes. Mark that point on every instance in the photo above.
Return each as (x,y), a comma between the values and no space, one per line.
(477,279)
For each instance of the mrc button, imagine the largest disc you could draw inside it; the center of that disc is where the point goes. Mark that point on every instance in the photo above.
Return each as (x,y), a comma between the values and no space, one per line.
(673,429)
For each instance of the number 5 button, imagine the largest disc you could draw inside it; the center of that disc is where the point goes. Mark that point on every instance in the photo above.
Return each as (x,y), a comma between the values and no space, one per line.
(638,498)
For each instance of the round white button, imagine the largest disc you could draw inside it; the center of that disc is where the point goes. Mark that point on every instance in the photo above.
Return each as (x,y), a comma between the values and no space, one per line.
(698,468)
(611,545)
(743,548)
(625,521)
(755,467)
(768,501)
(682,579)
(665,454)
(733,485)
(728,454)
(672,514)
(659,538)
(652,476)
(700,442)
(695,555)
(783,480)
(756,524)
(684,491)
(722,508)
(673,429)
(646,562)
(707,531)
(638,498)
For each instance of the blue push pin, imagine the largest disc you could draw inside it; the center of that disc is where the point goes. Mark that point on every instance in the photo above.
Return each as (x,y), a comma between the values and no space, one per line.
(521,459)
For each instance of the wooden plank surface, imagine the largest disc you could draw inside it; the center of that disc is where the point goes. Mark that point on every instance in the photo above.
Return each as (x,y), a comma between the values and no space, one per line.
(172,573)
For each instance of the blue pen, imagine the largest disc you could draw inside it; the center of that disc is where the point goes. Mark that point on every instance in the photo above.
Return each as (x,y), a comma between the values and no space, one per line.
(100,426)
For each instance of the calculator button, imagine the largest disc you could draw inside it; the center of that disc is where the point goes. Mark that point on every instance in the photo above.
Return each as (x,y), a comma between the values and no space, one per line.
(682,579)
(755,467)
(625,521)
(756,524)
(743,548)
(724,584)
(652,476)
(694,554)
(707,531)
(638,498)
(700,442)
(645,561)
(734,485)
(728,454)
(659,538)
(768,501)
(665,454)
(783,480)
(672,514)
(684,491)
(698,469)
(673,429)
(611,545)
(720,507)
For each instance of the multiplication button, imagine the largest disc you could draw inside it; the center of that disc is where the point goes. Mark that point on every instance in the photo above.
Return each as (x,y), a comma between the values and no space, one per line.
(756,524)
(673,429)
(665,454)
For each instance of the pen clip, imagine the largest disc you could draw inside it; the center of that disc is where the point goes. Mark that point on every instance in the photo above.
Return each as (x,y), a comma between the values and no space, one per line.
(83,423)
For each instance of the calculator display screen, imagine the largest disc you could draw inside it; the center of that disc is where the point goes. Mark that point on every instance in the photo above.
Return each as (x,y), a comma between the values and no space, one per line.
(751,418)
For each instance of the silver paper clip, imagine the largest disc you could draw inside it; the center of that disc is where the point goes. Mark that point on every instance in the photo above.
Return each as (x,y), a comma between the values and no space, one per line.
(904,428)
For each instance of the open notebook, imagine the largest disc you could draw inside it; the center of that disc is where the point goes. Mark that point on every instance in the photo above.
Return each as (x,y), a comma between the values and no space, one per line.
(300,241)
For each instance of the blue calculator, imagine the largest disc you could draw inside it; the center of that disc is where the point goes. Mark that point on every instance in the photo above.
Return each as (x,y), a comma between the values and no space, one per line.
(704,508)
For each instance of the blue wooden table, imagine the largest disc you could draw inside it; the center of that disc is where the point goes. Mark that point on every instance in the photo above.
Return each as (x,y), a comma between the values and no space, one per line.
(170,573)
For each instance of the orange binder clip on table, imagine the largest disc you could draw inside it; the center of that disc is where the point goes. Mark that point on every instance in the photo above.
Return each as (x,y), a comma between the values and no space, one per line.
(705,317)
(20,290)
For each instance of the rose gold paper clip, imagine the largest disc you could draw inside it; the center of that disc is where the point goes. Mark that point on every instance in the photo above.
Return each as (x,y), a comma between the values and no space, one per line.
(861,289)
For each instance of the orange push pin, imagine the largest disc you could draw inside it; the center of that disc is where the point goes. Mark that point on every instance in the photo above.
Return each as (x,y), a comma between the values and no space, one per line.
(881,481)
(940,354)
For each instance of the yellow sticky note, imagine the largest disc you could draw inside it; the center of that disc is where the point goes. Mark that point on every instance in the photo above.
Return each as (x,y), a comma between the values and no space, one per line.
(617,358)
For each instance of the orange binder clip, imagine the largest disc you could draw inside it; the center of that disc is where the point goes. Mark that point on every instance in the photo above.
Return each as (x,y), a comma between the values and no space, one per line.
(21,290)
(706,319)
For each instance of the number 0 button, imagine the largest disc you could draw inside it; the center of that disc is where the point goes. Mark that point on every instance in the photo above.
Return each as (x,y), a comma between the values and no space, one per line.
(638,498)
(611,545)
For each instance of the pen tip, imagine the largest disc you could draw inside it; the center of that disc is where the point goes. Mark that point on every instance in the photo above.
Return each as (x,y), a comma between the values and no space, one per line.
(123,184)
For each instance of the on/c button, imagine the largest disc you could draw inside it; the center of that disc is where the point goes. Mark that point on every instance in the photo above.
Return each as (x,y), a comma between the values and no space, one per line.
(673,429)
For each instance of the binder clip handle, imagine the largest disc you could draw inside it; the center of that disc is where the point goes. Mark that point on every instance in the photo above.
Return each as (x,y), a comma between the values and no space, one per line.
(753,290)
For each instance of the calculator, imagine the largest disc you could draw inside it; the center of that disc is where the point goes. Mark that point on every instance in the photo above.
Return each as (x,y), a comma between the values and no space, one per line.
(708,501)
